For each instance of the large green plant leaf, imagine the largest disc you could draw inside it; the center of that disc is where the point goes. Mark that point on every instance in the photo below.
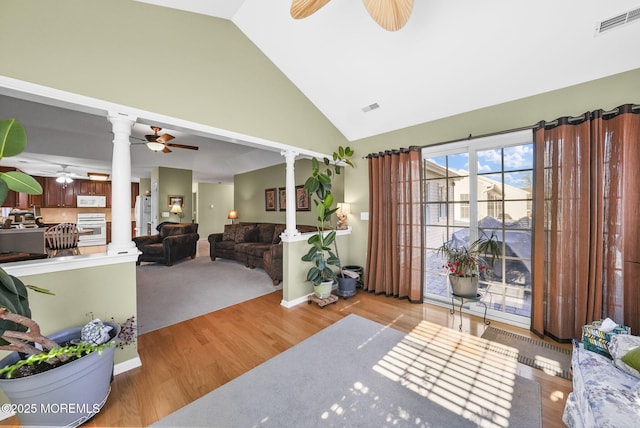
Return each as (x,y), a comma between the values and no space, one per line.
(21,182)
(4,191)
(9,295)
(13,138)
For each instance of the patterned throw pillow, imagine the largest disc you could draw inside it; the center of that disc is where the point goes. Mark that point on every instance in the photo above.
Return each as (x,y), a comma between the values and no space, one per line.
(626,346)
(632,358)
(229,232)
(246,233)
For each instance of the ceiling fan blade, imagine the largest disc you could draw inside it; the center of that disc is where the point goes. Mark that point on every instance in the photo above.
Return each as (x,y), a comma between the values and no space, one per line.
(166,150)
(391,15)
(164,138)
(303,8)
(182,146)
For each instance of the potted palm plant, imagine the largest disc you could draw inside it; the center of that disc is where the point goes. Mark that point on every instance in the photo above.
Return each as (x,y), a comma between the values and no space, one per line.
(320,254)
(464,263)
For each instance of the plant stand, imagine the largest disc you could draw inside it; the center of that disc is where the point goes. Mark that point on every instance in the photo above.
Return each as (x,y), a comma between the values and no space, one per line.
(466,299)
(322,302)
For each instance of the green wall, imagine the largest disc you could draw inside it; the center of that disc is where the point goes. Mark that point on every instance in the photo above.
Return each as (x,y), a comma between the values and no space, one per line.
(167,61)
(214,203)
(250,192)
(175,182)
(145,185)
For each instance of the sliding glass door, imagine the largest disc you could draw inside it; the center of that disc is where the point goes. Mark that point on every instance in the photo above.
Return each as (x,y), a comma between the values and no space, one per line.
(478,188)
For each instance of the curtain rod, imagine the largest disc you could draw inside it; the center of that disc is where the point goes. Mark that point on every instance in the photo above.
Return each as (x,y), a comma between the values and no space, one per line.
(524,128)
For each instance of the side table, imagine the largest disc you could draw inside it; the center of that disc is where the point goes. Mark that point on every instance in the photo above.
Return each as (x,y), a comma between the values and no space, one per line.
(468,299)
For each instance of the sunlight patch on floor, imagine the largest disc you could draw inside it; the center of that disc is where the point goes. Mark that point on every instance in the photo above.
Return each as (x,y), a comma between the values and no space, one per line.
(455,371)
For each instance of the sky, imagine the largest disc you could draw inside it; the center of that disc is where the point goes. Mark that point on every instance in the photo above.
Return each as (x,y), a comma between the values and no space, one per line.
(490,161)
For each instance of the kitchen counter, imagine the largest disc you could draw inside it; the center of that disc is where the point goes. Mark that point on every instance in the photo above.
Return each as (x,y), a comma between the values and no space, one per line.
(29,240)
(16,256)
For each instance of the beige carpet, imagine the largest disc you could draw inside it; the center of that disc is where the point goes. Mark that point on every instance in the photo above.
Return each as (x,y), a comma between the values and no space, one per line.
(553,360)
(358,373)
(193,287)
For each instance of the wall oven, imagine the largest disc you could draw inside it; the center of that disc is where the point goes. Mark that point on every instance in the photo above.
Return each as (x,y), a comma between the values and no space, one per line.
(93,229)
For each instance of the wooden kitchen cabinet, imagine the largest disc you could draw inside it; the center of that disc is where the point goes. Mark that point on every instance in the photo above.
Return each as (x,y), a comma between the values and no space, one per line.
(135,191)
(58,195)
(26,201)
(89,187)
(94,188)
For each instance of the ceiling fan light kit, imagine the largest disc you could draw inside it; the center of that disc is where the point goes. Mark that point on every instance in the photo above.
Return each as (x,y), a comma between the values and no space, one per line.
(64,179)
(160,143)
(391,15)
(156,147)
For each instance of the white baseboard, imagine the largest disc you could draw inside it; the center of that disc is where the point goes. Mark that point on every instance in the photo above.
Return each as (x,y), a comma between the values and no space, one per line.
(125,366)
(292,303)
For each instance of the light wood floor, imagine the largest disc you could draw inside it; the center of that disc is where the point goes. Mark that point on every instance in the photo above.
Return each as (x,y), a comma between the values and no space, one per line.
(218,347)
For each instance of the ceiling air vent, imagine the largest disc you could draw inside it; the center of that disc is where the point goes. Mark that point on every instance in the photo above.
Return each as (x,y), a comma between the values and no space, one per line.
(370,107)
(618,21)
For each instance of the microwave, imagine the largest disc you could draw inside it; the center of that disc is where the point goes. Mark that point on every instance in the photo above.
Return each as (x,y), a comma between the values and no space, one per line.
(95,201)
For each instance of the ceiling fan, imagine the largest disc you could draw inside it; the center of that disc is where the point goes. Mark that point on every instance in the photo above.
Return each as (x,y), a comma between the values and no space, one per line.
(391,15)
(64,176)
(160,143)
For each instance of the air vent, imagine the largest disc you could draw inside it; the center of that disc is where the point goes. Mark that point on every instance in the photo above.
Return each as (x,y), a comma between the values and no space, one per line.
(618,21)
(370,107)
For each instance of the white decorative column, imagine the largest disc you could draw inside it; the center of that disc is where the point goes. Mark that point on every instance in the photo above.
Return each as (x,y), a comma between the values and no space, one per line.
(121,242)
(290,182)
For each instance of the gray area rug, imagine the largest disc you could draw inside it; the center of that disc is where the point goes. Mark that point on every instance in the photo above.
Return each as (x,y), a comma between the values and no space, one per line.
(190,288)
(358,373)
(541,355)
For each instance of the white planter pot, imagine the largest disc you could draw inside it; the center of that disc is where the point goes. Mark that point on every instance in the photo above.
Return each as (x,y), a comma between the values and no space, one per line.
(67,395)
(464,286)
(323,290)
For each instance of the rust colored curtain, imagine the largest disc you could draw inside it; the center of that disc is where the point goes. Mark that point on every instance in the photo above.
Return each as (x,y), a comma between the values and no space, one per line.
(587,218)
(394,256)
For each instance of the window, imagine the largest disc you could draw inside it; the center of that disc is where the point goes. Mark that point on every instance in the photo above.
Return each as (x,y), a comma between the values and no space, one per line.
(488,185)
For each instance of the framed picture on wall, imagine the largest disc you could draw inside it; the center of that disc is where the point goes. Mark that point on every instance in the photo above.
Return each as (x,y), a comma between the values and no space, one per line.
(270,199)
(282,197)
(176,200)
(302,199)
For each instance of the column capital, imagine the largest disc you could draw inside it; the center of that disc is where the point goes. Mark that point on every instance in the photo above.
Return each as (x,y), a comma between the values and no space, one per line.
(121,123)
(290,155)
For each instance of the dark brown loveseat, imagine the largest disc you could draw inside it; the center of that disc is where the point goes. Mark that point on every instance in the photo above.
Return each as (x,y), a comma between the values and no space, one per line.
(254,245)
(174,242)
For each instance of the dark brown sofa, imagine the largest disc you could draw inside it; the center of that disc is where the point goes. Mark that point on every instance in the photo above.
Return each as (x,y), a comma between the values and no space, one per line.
(173,242)
(254,245)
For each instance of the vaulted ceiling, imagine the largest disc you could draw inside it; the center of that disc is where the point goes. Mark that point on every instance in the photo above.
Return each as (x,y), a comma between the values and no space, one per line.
(450,57)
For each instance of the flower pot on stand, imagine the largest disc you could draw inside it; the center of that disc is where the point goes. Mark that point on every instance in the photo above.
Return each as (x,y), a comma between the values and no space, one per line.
(67,395)
(464,286)
(323,290)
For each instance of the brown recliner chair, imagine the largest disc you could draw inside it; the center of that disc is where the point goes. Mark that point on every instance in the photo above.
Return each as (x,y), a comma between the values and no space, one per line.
(174,242)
